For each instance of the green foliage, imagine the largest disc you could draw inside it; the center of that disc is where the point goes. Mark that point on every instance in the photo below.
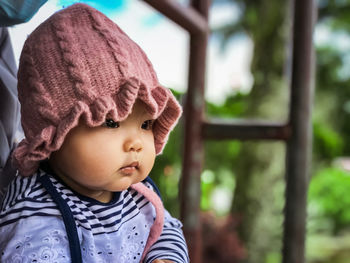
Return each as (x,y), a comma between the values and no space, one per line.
(327,142)
(207,187)
(235,105)
(335,13)
(325,248)
(217,188)
(329,198)
(329,61)
(273,257)
(218,176)
(219,159)
(167,168)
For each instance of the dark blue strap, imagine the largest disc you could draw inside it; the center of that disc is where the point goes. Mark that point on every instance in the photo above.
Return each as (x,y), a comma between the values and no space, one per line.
(149,180)
(74,244)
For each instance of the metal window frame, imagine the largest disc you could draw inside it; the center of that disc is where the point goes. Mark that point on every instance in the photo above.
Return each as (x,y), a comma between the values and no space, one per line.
(296,132)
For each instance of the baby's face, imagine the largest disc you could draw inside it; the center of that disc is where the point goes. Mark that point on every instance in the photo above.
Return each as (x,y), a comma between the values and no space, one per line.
(98,161)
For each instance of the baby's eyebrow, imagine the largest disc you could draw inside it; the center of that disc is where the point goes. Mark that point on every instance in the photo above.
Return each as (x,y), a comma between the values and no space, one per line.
(147,115)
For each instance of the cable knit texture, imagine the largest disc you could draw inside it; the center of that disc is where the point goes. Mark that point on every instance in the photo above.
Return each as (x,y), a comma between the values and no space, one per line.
(79,64)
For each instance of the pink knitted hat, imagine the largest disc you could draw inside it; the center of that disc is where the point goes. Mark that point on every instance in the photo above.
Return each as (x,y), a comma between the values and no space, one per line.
(78,64)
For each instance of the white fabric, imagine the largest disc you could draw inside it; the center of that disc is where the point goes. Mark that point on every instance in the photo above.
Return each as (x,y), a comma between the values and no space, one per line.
(10,128)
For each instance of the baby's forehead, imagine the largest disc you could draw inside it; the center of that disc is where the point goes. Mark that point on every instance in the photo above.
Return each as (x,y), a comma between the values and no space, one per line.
(141,109)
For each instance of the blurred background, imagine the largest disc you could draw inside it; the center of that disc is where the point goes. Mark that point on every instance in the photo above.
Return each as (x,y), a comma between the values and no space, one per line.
(248,75)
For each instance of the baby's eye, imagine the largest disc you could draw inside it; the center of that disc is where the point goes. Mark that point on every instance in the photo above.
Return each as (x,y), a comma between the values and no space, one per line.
(147,125)
(109,123)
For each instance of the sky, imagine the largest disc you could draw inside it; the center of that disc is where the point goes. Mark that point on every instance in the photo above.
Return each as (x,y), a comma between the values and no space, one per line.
(166,44)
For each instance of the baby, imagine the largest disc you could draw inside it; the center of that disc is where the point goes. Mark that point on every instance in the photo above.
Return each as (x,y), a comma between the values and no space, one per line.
(94,117)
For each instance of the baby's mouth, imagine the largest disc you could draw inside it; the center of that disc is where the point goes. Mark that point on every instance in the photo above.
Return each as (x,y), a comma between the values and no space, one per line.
(130,168)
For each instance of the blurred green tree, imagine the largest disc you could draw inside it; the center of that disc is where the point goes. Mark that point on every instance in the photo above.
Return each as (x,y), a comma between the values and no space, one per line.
(329,198)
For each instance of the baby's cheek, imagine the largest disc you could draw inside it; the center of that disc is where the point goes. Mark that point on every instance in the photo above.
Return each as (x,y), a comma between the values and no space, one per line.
(148,164)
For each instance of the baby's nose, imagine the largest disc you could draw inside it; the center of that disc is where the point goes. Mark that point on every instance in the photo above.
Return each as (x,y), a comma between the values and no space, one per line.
(133,145)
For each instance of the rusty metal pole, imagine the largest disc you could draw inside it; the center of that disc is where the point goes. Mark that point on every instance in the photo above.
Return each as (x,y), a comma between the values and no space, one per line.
(193,141)
(244,130)
(299,145)
(186,17)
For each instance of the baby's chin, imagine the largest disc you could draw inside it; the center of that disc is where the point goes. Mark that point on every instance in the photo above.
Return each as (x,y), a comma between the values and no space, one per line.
(125,182)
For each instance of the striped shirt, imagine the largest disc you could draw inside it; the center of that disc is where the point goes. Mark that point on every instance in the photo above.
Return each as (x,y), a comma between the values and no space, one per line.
(32,228)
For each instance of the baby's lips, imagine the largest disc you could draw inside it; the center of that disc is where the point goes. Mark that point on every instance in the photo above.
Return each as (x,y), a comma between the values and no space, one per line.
(134,164)
(130,168)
